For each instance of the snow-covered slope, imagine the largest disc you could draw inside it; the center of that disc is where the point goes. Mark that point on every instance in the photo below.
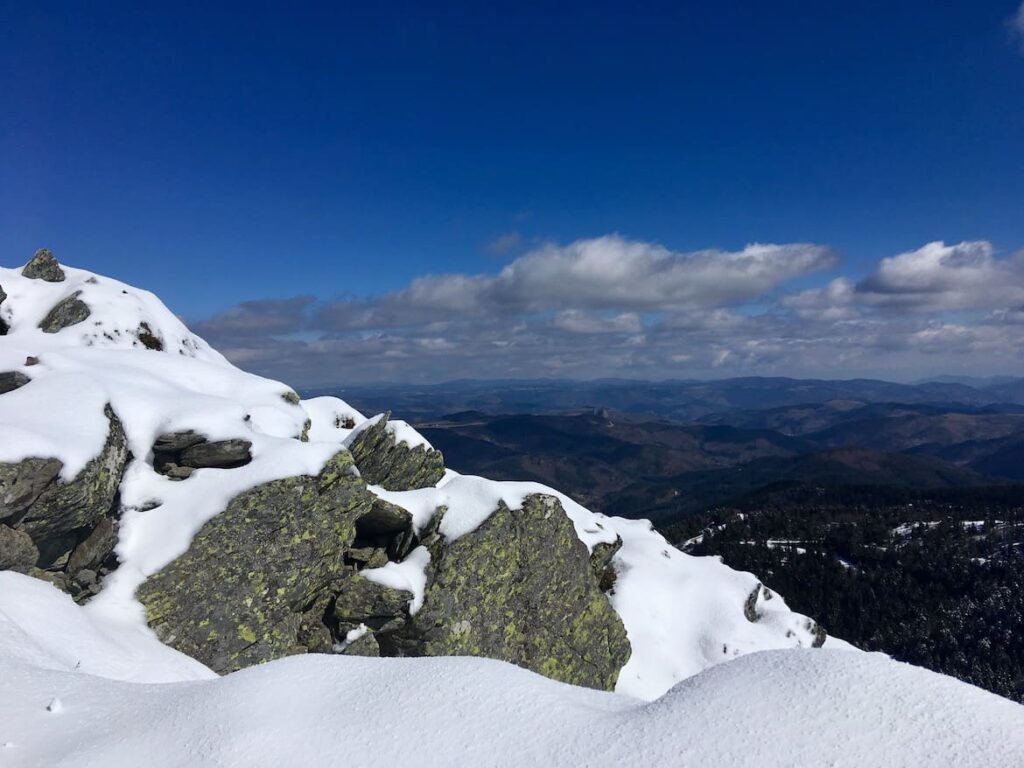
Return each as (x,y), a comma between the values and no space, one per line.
(682,614)
(62,703)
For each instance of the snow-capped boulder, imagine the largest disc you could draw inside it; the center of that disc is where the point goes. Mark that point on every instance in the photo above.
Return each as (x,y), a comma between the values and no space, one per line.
(70,523)
(386,456)
(12,380)
(65,313)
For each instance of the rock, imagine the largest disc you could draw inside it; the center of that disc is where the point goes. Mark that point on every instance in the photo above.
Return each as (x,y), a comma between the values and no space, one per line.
(520,588)
(64,508)
(4,328)
(222,454)
(149,339)
(17,552)
(601,563)
(368,557)
(12,380)
(361,601)
(43,266)
(66,313)
(175,472)
(239,594)
(21,484)
(366,645)
(394,466)
(94,549)
(176,442)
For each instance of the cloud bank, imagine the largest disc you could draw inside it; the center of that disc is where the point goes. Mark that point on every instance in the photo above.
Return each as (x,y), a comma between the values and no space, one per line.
(610,306)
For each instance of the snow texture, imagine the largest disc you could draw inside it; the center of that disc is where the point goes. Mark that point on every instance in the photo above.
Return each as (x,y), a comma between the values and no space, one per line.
(778,708)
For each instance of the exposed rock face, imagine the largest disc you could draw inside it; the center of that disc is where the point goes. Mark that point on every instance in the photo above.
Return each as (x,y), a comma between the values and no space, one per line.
(12,380)
(70,525)
(394,466)
(238,596)
(43,266)
(4,328)
(66,313)
(520,588)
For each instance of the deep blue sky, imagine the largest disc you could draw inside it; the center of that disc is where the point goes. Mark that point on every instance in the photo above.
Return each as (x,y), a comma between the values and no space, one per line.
(218,153)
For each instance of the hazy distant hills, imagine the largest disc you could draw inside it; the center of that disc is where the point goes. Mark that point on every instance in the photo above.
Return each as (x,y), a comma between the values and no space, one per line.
(663,449)
(675,400)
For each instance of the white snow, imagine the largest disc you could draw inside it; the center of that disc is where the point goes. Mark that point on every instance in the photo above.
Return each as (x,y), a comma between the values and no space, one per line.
(779,708)
(328,416)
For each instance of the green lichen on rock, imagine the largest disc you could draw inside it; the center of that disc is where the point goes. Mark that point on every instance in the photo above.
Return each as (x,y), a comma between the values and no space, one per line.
(395,466)
(66,313)
(239,594)
(290,397)
(43,266)
(520,588)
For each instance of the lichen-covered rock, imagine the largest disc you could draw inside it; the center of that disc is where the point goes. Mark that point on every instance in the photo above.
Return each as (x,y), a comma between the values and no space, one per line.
(239,594)
(65,509)
(66,313)
(12,380)
(365,645)
(17,552)
(520,588)
(43,266)
(392,465)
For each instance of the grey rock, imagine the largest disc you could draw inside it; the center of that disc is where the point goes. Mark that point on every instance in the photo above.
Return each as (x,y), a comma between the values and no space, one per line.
(395,466)
(361,601)
(17,551)
(364,646)
(12,380)
(66,313)
(21,484)
(175,442)
(94,549)
(222,454)
(43,266)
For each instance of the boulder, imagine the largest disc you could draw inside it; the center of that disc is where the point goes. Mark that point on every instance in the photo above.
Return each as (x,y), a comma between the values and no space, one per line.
(361,601)
(521,588)
(17,551)
(66,313)
(394,466)
(254,578)
(21,484)
(43,266)
(12,380)
(365,645)
(176,442)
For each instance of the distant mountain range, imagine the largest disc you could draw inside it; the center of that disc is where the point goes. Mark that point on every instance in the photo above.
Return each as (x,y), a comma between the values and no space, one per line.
(684,401)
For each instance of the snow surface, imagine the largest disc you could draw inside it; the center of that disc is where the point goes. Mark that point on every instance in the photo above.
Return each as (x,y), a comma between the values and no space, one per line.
(778,708)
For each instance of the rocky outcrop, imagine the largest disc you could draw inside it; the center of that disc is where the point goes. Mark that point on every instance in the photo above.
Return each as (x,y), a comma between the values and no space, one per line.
(241,593)
(392,465)
(71,525)
(521,588)
(17,550)
(43,266)
(66,313)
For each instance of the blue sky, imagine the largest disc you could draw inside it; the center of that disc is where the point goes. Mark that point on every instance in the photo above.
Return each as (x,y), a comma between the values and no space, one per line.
(221,154)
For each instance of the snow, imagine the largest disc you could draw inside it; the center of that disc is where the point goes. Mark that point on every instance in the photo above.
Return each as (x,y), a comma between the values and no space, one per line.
(778,708)
(350,637)
(409,575)
(327,416)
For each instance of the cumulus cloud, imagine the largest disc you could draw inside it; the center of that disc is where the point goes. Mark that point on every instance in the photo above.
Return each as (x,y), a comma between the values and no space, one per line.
(614,307)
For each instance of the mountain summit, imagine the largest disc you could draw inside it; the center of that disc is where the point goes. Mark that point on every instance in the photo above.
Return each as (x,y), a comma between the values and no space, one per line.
(174,497)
